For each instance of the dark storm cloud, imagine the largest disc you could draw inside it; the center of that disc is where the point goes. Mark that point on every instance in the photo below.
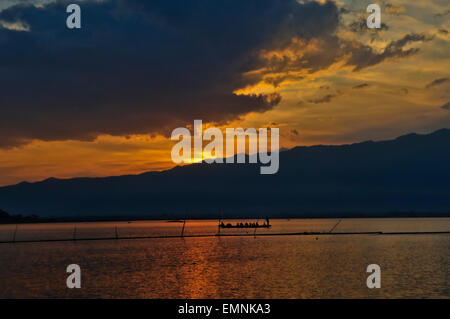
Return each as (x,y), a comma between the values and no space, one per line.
(140,66)
(360,86)
(446,106)
(364,56)
(436,82)
(328,49)
(324,99)
(360,26)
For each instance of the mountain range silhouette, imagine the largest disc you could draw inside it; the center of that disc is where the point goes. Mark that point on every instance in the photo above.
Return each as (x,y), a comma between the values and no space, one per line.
(406,176)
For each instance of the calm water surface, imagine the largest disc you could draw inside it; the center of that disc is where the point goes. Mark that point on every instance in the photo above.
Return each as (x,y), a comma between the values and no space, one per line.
(325,266)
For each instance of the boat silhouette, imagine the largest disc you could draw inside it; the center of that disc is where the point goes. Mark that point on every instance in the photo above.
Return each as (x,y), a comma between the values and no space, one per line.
(245,225)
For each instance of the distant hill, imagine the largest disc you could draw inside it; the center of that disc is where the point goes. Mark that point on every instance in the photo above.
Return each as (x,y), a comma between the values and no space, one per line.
(409,175)
(5,218)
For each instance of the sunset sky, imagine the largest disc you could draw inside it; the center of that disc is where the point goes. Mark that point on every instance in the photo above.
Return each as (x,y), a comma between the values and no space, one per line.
(103,100)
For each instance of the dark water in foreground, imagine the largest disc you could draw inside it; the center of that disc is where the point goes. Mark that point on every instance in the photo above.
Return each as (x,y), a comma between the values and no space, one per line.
(412,266)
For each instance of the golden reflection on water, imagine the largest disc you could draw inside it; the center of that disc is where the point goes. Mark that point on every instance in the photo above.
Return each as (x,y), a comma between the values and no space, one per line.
(209,227)
(231,267)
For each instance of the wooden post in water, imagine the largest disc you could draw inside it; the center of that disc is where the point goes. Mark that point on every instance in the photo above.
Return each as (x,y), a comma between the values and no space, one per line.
(14,234)
(117,234)
(334,227)
(220,220)
(182,230)
(75,232)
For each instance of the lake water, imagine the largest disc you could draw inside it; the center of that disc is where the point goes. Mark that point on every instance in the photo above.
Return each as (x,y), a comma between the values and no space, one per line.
(324,266)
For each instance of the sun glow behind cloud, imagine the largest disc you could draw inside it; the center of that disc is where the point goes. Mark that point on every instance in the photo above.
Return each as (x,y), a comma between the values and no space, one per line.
(323,99)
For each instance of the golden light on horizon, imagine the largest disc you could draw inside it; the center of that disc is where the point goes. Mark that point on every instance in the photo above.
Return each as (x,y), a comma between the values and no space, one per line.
(324,99)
